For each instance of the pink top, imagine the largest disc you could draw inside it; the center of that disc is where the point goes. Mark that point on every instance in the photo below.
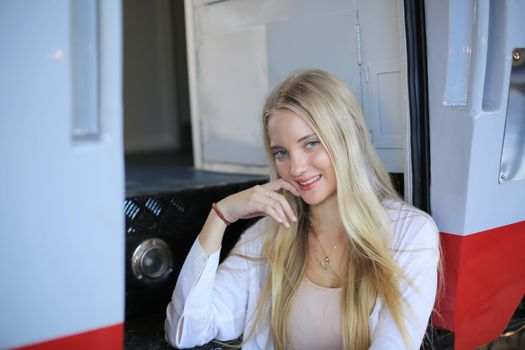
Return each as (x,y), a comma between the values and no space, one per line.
(316,317)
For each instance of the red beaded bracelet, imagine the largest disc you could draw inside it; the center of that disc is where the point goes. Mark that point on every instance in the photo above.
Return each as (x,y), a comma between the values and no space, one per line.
(218,212)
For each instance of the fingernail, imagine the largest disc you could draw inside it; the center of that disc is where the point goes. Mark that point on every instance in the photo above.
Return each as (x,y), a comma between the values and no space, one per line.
(286,224)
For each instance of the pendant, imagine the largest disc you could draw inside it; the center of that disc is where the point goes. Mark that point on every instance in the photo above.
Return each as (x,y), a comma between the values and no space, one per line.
(326,263)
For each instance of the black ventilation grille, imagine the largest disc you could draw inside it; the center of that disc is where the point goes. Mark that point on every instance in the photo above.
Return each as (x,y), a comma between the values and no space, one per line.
(176,218)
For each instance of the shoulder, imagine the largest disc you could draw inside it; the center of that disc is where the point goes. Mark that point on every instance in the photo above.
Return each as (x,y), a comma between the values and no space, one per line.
(411,227)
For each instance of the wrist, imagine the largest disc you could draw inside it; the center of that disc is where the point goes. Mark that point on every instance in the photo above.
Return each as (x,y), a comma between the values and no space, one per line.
(220,214)
(224,207)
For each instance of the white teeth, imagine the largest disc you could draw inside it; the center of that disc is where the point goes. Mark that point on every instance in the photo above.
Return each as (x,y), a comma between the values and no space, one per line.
(312,180)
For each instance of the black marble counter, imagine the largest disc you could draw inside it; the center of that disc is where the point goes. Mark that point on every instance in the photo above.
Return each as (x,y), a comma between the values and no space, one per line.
(166,198)
(147,333)
(161,172)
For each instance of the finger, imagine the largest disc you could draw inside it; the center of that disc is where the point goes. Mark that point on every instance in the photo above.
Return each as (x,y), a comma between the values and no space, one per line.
(295,186)
(285,206)
(269,210)
(275,205)
(281,183)
(291,187)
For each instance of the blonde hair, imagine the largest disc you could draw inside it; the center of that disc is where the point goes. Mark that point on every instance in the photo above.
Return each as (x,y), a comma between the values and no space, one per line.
(330,109)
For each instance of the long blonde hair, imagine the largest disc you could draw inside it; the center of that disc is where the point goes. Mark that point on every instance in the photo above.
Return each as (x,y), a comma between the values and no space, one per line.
(330,109)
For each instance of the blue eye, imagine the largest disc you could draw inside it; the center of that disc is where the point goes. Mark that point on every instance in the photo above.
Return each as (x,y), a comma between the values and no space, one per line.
(311,144)
(280,154)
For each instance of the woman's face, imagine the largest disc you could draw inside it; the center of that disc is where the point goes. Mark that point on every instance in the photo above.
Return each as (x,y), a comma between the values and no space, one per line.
(300,158)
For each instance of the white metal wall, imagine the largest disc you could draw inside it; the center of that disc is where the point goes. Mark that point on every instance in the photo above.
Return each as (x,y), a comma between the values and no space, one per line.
(469,74)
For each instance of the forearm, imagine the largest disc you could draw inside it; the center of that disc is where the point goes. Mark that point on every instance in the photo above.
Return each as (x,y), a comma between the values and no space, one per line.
(210,237)
(188,315)
(253,202)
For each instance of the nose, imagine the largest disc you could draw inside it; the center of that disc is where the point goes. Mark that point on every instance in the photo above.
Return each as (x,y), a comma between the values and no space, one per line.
(298,165)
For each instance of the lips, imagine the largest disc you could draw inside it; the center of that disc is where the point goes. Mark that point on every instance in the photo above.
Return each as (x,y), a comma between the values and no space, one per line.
(308,183)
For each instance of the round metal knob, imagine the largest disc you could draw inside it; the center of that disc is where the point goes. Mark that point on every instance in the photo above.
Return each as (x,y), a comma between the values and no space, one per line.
(516,55)
(152,259)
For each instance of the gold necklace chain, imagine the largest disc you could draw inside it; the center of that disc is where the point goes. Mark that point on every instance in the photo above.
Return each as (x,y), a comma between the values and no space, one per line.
(325,262)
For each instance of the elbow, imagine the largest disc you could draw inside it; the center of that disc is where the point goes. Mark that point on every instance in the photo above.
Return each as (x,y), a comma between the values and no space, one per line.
(170,337)
(181,333)
(173,327)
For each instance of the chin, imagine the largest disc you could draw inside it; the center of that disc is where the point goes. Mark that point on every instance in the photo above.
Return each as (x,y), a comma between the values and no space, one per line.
(307,201)
(318,198)
(312,199)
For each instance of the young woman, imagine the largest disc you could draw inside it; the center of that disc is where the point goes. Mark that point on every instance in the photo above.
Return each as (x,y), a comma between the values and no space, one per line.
(338,261)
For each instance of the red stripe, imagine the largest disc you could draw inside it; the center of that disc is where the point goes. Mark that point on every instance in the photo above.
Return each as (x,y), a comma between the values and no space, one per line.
(107,338)
(484,283)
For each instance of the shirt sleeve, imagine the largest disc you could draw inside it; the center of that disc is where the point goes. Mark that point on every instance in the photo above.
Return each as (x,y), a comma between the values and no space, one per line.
(419,257)
(209,301)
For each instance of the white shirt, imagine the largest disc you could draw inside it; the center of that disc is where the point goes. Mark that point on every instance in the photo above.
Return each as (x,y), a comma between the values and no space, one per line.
(219,302)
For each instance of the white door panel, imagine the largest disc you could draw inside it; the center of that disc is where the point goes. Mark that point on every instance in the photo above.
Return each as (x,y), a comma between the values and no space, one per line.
(61,172)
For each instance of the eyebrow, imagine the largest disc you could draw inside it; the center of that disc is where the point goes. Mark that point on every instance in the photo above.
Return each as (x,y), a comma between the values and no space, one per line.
(300,140)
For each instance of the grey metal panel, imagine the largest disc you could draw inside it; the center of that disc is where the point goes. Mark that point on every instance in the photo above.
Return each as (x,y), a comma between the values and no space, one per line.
(382,84)
(325,40)
(243,48)
(513,154)
(150,105)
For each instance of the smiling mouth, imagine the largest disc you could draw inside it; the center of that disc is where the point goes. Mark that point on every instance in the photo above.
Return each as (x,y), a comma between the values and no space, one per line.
(305,185)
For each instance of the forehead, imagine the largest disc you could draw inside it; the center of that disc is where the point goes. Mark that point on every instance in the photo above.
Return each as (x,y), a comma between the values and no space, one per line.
(285,126)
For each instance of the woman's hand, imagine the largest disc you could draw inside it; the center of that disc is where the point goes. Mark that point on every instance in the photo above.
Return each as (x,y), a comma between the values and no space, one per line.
(261,200)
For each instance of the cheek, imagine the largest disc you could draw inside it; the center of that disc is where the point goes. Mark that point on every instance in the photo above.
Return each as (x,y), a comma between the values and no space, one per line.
(282,169)
(322,161)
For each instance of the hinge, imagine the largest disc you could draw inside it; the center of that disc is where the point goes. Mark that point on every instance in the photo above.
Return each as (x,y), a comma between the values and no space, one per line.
(197,66)
(358,42)
(201,136)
